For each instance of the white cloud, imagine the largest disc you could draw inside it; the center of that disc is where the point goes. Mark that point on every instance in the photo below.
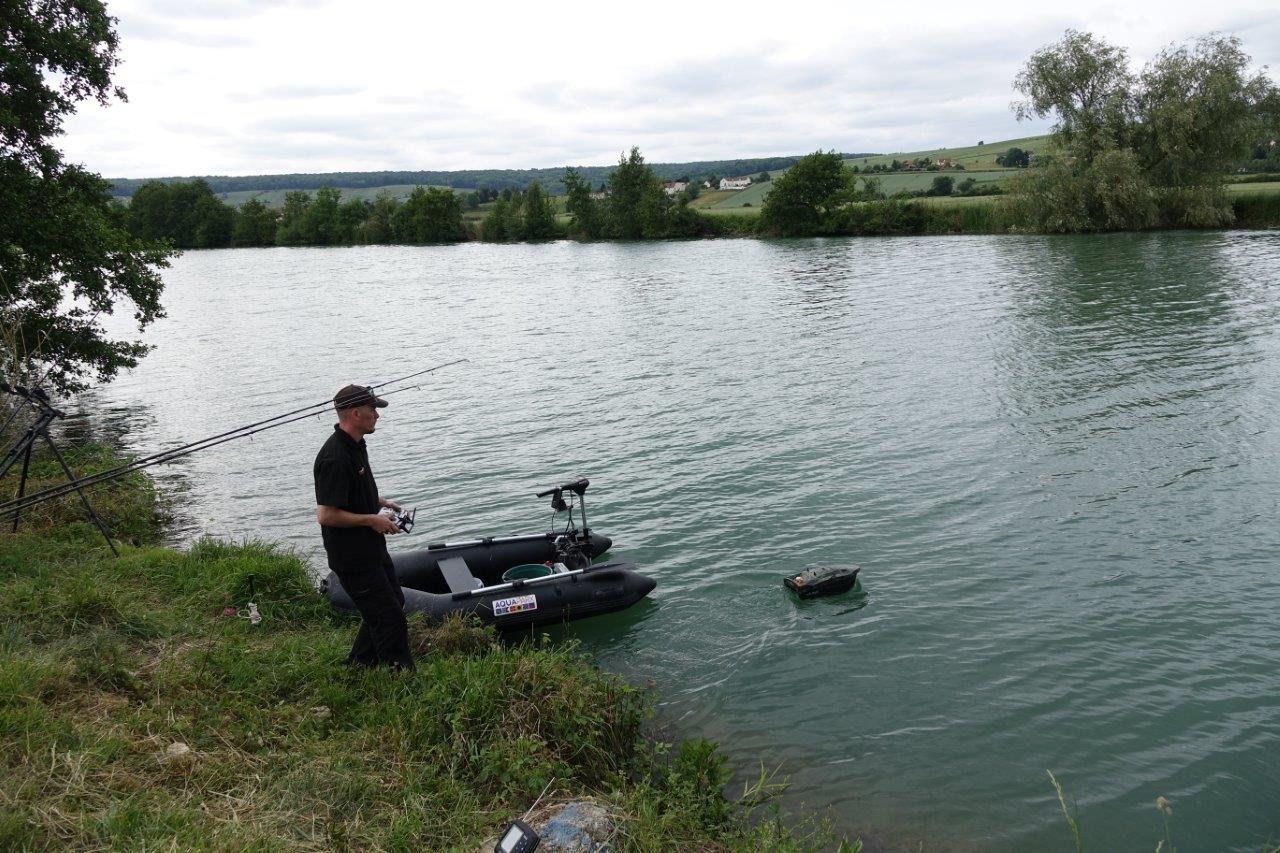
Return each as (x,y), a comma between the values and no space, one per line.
(246,86)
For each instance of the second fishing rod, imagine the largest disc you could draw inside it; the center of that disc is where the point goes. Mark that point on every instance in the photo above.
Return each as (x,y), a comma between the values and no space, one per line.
(18,504)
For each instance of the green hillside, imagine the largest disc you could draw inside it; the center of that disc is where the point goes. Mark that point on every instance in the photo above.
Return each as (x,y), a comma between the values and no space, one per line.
(981,157)
(752,196)
(979,163)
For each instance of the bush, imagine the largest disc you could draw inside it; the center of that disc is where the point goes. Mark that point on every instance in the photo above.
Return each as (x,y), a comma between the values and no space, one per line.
(1111,194)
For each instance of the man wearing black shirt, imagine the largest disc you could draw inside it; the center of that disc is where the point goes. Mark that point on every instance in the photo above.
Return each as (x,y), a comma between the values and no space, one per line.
(347,504)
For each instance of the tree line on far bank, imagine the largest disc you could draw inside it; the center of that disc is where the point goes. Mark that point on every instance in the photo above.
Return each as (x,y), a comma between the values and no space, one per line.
(191,216)
(632,206)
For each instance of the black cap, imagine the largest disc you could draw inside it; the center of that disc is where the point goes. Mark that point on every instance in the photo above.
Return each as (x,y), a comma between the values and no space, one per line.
(357,395)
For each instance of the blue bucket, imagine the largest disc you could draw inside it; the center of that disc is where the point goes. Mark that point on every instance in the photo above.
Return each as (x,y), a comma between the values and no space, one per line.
(527,571)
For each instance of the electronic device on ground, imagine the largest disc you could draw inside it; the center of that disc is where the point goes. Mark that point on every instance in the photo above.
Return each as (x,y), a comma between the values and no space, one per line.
(519,838)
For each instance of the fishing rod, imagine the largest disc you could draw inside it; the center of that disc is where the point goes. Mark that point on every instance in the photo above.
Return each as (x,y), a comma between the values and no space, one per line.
(16,505)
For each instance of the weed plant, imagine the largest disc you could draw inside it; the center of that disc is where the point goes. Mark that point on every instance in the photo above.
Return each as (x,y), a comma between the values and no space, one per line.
(139,709)
(1163,845)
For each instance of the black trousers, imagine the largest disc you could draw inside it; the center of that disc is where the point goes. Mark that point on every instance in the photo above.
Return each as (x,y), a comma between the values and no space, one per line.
(383,637)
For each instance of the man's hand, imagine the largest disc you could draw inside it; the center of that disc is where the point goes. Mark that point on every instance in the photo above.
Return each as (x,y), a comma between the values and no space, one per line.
(382,524)
(389,503)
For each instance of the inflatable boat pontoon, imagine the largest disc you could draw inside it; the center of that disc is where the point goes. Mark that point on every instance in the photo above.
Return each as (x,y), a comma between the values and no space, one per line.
(467,577)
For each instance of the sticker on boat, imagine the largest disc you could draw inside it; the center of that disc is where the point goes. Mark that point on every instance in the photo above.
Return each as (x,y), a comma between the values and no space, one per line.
(519,604)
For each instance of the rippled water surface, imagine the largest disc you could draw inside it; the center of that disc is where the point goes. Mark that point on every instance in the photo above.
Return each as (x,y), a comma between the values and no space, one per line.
(1055,459)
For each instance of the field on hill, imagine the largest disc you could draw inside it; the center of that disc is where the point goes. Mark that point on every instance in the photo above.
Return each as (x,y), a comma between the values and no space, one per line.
(981,157)
(752,196)
(912,181)
(979,162)
(890,182)
(710,198)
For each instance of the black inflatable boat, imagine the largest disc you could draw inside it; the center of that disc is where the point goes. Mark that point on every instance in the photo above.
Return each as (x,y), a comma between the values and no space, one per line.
(550,577)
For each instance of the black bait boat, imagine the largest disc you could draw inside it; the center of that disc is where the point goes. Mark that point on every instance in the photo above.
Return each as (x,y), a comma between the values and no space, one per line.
(515,582)
(827,580)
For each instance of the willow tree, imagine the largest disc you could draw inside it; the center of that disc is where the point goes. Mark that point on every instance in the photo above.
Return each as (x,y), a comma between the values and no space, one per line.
(1135,150)
(66,257)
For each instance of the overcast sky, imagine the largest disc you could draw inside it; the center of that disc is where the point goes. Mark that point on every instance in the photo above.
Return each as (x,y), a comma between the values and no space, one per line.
(238,87)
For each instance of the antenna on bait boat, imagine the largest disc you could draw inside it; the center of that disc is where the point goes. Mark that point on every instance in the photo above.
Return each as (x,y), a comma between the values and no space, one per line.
(19,503)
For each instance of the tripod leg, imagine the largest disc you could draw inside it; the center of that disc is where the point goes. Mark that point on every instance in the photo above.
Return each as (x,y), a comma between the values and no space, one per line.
(19,447)
(88,506)
(22,485)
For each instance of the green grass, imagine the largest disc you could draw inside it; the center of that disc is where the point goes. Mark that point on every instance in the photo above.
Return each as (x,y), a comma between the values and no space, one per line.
(958,200)
(710,198)
(135,714)
(912,181)
(1255,188)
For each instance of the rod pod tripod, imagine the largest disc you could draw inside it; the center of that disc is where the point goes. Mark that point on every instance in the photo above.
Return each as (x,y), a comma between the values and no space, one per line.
(21,449)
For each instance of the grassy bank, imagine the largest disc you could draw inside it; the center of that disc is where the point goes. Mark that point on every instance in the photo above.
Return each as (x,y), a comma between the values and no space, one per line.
(138,708)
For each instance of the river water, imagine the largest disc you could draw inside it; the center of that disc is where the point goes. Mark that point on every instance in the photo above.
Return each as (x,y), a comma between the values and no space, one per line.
(1054,458)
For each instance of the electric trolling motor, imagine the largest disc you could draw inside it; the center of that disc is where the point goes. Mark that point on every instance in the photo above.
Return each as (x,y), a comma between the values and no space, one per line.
(572,551)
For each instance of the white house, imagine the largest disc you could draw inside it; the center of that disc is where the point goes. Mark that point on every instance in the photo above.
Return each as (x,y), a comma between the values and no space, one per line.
(734,183)
(675,187)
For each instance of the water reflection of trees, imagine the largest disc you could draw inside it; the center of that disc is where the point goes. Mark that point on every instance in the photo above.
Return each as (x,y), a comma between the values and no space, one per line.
(1118,318)
(815,276)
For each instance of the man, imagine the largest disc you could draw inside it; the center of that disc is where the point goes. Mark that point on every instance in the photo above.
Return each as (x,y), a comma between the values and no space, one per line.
(347,505)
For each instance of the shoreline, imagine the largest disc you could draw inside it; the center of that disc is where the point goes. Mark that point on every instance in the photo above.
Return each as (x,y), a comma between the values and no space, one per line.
(158,718)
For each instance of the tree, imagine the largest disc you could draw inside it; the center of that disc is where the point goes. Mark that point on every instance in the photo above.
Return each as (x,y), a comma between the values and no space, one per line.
(503,222)
(352,214)
(1086,83)
(376,228)
(291,231)
(319,225)
(539,218)
(872,190)
(66,255)
(805,193)
(762,178)
(214,222)
(255,225)
(636,204)
(187,215)
(1014,158)
(584,215)
(1130,151)
(942,185)
(1196,108)
(429,215)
